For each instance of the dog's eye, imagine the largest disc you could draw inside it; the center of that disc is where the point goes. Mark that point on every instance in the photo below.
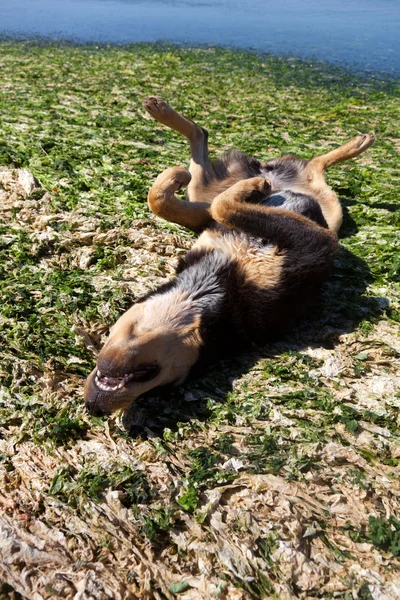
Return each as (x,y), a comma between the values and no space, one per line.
(145,372)
(268,168)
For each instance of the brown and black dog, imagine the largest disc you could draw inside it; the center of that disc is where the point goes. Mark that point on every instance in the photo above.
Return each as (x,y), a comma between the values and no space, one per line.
(268,240)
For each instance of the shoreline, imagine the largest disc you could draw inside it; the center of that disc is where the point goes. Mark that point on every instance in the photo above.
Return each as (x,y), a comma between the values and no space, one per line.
(309,63)
(348,32)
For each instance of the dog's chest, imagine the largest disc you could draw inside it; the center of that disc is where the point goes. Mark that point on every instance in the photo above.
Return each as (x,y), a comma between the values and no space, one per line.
(234,244)
(260,264)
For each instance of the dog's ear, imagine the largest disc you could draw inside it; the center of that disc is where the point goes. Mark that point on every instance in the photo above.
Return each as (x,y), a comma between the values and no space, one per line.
(190,331)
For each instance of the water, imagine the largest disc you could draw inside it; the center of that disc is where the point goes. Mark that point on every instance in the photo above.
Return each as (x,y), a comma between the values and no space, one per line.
(363,34)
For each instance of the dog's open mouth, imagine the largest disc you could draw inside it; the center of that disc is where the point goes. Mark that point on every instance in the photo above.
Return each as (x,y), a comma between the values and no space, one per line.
(111,384)
(114,384)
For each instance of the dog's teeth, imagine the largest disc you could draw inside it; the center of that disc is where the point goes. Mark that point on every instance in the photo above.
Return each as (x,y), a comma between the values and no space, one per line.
(106,386)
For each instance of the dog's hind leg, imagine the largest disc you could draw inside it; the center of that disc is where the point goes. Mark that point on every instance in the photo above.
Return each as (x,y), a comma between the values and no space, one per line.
(201,169)
(163,202)
(353,148)
(208,179)
(328,200)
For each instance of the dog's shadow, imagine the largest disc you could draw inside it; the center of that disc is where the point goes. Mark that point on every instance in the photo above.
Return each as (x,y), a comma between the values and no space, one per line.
(341,307)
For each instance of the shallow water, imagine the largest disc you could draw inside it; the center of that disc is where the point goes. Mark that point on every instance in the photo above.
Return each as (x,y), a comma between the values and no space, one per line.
(363,34)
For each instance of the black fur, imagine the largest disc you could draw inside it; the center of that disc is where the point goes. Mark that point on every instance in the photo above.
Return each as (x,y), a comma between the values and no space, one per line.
(250,166)
(286,168)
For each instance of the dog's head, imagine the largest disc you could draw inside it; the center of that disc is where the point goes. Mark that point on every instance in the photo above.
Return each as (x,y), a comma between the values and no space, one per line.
(156,342)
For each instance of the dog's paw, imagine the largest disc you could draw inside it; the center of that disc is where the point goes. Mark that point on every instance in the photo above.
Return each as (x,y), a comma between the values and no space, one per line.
(258,189)
(182,176)
(364,141)
(158,109)
(172,179)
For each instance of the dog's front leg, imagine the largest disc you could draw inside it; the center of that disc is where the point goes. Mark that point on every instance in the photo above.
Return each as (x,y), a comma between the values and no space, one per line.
(238,208)
(163,202)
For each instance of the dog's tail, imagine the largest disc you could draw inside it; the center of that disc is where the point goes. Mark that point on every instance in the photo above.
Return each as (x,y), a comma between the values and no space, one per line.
(329,202)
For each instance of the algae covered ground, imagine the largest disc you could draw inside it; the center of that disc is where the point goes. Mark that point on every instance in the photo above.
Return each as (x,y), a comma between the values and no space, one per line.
(277,473)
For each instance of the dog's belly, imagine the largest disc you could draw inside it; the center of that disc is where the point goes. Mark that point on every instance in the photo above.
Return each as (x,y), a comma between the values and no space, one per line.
(259,263)
(298,203)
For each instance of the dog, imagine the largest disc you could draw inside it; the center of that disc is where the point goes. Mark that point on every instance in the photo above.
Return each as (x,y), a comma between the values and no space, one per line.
(268,238)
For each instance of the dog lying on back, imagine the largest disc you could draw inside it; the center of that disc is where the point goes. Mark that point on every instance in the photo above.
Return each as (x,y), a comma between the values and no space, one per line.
(268,238)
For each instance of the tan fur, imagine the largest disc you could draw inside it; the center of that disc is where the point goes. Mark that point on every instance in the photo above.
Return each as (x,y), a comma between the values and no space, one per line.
(263,271)
(207,193)
(163,113)
(200,166)
(328,200)
(260,266)
(174,309)
(351,149)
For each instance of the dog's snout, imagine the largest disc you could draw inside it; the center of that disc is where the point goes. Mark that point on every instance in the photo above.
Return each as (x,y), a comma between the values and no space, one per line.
(115,360)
